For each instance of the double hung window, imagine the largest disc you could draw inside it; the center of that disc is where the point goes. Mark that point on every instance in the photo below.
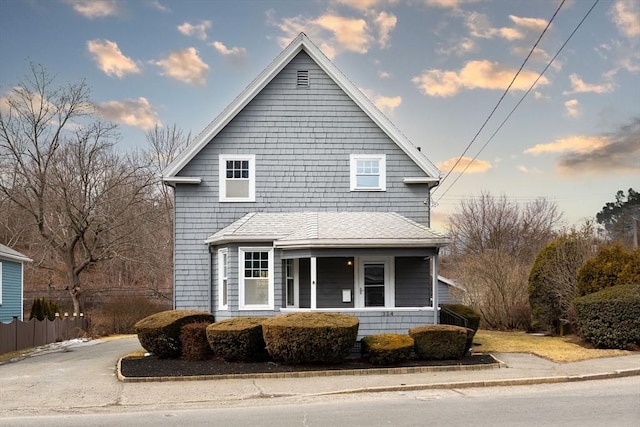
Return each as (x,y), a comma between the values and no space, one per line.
(256,278)
(368,172)
(237,177)
(223,258)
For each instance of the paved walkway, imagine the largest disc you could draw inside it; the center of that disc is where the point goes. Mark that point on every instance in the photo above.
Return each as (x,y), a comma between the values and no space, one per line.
(82,379)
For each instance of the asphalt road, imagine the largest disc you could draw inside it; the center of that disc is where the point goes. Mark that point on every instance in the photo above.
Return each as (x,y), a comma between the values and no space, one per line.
(613,402)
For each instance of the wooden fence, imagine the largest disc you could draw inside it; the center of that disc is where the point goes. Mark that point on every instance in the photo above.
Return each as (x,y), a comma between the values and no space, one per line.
(18,334)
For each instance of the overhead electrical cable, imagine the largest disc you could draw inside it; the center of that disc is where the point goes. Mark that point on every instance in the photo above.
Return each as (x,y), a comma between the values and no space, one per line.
(503,95)
(521,99)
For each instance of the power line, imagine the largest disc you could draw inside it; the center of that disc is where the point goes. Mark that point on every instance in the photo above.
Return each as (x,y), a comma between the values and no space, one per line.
(502,97)
(519,102)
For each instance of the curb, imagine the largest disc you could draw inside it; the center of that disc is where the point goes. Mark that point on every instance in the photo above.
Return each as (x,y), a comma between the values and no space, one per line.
(494,383)
(310,374)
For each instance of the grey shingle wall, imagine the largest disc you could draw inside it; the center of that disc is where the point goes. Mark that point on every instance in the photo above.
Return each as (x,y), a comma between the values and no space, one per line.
(302,139)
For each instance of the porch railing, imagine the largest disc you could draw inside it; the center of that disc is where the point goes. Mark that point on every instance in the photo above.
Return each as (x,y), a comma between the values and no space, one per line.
(448,317)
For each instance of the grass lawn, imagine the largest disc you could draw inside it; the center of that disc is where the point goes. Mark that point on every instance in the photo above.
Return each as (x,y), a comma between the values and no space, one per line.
(557,349)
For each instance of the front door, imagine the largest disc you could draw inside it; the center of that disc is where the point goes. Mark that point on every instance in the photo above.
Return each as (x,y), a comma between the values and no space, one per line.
(374,286)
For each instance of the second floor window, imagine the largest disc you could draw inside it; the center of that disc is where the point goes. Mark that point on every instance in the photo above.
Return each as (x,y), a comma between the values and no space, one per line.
(237,177)
(368,172)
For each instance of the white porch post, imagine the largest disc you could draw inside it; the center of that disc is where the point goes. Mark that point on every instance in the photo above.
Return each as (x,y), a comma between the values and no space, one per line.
(314,279)
(434,287)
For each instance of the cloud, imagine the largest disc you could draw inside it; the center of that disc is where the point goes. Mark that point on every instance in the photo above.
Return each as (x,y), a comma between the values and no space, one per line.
(480,27)
(384,103)
(626,15)
(235,53)
(110,59)
(365,5)
(610,153)
(94,8)
(335,34)
(448,4)
(186,66)
(572,107)
(133,112)
(474,166)
(159,6)
(535,24)
(197,30)
(528,171)
(386,23)
(579,86)
(474,75)
(459,48)
(384,74)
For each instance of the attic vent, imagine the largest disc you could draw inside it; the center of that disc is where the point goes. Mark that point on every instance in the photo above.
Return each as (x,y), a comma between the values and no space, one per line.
(303,78)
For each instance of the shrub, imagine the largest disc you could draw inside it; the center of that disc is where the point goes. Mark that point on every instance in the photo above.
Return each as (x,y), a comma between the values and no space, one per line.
(194,341)
(310,337)
(439,341)
(119,315)
(610,264)
(238,339)
(160,333)
(472,316)
(610,318)
(387,349)
(43,309)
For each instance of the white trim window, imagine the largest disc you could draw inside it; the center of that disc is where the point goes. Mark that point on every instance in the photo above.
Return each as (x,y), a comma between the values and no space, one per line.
(256,278)
(237,176)
(368,172)
(223,269)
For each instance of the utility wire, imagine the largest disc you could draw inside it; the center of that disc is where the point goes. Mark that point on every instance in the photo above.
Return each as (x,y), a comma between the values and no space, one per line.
(502,97)
(521,99)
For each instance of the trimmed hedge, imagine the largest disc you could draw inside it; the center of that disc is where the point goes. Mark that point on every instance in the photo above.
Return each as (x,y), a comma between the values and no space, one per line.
(310,337)
(238,339)
(610,318)
(194,341)
(160,333)
(387,349)
(439,341)
(472,316)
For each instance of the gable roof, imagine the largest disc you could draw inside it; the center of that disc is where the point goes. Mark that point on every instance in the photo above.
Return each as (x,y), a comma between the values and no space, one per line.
(293,230)
(9,254)
(299,44)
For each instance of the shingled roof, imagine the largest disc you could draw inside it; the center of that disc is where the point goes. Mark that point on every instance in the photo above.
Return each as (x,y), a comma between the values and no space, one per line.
(330,229)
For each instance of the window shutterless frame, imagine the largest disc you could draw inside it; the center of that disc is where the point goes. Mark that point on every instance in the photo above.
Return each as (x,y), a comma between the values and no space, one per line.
(368,172)
(255,274)
(237,177)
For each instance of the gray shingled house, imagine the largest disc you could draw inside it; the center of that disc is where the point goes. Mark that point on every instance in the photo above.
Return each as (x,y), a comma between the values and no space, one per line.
(302,196)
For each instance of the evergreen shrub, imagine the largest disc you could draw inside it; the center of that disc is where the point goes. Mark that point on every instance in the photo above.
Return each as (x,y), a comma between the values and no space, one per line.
(194,341)
(439,341)
(238,339)
(610,318)
(387,349)
(310,337)
(160,333)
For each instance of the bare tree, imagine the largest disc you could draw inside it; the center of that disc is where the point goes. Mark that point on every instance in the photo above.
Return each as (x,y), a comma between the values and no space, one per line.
(59,167)
(494,242)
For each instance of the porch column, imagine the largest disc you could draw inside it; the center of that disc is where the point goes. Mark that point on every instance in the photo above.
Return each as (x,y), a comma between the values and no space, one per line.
(434,286)
(314,279)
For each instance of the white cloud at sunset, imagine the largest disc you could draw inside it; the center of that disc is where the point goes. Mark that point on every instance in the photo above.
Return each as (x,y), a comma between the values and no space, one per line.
(94,8)
(195,30)
(133,112)
(110,59)
(186,66)
(474,75)
(472,166)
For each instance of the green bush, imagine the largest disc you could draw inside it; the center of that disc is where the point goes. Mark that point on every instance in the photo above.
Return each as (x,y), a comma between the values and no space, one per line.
(310,337)
(387,349)
(472,316)
(439,341)
(612,265)
(610,318)
(43,309)
(238,339)
(160,333)
(194,341)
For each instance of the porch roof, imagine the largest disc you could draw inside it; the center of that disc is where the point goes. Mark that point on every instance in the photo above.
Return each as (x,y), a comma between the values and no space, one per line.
(296,230)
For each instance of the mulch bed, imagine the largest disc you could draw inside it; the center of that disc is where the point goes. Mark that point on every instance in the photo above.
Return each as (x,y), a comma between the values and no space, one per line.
(152,366)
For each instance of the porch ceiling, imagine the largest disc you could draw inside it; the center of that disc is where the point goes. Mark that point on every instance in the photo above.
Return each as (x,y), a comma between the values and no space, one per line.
(296,230)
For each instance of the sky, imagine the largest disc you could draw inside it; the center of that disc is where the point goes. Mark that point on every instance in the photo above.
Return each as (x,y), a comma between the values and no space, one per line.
(438,69)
